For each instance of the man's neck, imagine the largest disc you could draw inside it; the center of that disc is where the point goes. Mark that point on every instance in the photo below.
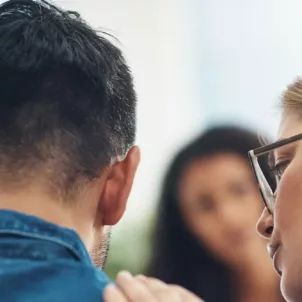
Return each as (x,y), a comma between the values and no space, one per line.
(33,202)
(36,204)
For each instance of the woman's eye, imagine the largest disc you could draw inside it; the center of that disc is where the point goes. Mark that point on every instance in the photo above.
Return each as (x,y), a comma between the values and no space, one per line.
(279,169)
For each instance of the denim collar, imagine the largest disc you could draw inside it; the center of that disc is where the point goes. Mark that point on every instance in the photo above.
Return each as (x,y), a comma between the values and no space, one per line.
(20,224)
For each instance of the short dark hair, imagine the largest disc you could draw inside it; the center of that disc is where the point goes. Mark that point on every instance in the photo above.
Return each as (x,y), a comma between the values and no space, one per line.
(178,257)
(67,102)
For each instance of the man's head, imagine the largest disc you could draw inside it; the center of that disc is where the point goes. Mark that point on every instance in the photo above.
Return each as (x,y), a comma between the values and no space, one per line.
(67,117)
(283,225)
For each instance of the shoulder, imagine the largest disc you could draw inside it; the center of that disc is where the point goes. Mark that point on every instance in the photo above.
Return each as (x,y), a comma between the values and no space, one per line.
(77,278)
(70,281)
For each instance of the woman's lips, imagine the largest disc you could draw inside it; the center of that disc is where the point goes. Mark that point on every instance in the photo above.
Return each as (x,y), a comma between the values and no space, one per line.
(273,251)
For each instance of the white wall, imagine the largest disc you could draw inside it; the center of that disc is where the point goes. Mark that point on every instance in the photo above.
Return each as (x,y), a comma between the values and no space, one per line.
(250,50)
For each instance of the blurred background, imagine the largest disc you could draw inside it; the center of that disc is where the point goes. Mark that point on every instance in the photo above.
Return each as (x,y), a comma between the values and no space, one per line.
(195,63)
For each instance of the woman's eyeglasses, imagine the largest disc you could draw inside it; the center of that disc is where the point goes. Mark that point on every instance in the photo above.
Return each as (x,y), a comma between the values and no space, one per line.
(267,173)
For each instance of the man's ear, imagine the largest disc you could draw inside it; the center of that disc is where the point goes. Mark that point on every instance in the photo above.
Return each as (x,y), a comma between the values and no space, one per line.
(118,186)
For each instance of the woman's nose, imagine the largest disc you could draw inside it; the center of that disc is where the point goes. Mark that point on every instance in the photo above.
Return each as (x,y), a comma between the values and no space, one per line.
(265,224)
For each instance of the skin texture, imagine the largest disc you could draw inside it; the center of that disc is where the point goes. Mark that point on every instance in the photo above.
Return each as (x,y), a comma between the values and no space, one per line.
(283,229)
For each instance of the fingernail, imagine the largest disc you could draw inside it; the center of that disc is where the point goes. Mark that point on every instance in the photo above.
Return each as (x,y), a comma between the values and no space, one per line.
(125,275)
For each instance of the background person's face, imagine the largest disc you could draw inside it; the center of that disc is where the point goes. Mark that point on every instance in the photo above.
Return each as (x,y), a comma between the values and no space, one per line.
(221,204)
(287,220)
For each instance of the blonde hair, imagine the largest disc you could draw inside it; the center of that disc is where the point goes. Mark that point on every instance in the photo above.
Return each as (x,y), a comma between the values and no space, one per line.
(292,96)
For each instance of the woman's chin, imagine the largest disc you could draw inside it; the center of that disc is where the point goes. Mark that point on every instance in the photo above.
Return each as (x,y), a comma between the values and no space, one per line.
(291,287)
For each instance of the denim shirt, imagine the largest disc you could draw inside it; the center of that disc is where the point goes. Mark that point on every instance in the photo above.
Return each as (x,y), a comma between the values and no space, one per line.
(42,262)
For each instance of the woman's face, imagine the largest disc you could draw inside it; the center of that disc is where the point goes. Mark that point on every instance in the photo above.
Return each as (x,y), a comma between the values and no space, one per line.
(286,238)
(220,203)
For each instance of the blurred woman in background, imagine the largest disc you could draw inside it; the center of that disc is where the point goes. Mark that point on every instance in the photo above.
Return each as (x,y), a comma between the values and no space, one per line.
(205,237)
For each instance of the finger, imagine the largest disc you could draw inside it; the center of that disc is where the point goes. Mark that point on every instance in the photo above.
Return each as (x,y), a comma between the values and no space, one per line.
(142,278)
(113,294)
(160,290)
(157,285)
(185,294)
(133,289)
(152,283)
(168,294)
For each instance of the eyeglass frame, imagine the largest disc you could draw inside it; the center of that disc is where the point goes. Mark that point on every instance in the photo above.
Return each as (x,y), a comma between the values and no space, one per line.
(268,197)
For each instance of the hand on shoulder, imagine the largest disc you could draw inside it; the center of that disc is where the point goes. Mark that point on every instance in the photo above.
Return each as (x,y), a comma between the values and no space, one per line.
(143,289)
